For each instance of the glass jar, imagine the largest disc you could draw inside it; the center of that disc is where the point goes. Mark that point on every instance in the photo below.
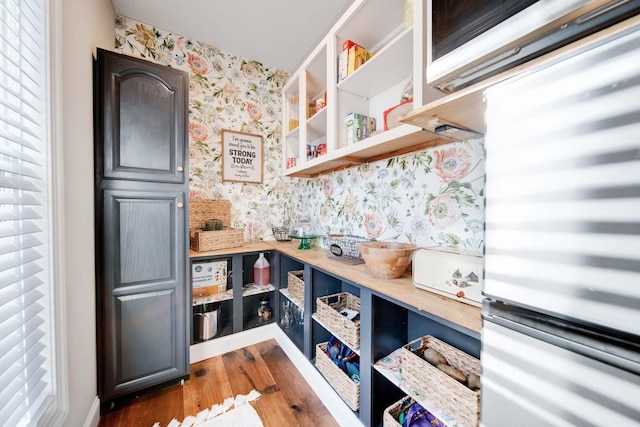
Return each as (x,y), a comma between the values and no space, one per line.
(265,312)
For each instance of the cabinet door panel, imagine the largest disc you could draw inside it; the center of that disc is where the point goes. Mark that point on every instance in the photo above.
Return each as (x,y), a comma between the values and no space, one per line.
(143,231)
(144,333)
(143,118)
(145,254)
(145,296)
(144,136)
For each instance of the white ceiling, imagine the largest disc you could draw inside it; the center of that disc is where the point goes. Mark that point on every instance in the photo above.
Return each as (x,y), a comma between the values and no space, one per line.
(277,33)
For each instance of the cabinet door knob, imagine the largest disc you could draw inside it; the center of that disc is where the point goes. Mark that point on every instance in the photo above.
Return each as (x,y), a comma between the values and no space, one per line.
(180,205)
(180,168)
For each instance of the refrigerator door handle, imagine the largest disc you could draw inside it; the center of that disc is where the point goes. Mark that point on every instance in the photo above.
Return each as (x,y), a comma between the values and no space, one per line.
(610,353)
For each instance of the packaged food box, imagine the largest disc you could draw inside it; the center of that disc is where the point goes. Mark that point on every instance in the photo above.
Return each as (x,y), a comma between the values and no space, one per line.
(356,58)
(343,59)
(370,128)
(208,278)
(351,58)
(355,126)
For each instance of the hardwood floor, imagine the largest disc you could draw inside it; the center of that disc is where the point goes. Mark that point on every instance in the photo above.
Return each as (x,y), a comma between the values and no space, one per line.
(287,400)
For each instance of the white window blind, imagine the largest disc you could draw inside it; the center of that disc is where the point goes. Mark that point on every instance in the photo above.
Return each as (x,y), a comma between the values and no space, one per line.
(25,299)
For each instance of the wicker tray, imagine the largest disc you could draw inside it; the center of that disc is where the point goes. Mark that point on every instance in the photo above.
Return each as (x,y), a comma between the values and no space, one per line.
(443,391)
(212,240)
(328,312)
(295,284)
(348,390)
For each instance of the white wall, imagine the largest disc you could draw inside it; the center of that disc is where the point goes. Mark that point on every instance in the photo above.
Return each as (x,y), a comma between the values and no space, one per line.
(85,25)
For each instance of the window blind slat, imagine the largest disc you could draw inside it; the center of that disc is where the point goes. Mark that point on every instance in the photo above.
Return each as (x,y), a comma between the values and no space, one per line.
(13,213)
(24,227)
(19,125)
(10,104)
(18,275)
(18,184)
(7,262)
(19,140)
(16,333)
(18,199)
(18,243)
(13,294)
(20,80)
(19,155)
(18,400)
(12,360)
(18,168)
(13,78)
(18,339)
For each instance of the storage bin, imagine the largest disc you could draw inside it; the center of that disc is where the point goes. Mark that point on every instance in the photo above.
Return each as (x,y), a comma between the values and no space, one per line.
(201,241)
(346,388)
(295,284)
(392,413)
(444,392)
(343,248)
(202,210)
(328,312)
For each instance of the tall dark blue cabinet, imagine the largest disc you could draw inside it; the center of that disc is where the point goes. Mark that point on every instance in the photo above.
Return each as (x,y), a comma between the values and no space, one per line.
(141,194)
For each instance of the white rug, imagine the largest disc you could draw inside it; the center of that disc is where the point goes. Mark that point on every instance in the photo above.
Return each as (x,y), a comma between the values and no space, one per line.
(233,412)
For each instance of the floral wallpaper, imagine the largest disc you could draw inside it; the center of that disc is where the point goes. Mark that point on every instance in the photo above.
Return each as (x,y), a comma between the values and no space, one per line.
(225,92)
(431,197)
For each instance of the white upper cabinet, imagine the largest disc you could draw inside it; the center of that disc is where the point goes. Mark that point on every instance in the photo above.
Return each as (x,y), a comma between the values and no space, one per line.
(315,137)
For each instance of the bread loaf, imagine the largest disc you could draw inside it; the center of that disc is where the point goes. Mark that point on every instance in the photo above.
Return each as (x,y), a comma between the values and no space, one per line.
(454,373)
(473,381)
(434,357)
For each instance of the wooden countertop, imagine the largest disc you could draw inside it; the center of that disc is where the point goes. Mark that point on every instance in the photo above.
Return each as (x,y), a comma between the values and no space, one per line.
(246,247)
(401,289)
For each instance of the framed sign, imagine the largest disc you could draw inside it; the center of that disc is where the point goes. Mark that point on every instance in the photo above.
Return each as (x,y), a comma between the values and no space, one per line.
(241,157)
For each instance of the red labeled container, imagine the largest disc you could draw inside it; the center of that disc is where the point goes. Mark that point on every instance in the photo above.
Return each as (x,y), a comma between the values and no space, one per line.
(261,271)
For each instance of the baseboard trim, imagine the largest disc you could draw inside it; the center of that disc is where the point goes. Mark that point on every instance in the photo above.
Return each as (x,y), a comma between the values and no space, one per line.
(93,417)
(218,346)
(330,399)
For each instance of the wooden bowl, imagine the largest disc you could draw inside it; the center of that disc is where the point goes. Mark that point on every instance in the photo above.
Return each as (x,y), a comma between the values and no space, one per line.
(387,260)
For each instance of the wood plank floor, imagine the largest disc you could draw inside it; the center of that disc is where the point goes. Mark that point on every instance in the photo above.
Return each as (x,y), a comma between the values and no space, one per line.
(287,400)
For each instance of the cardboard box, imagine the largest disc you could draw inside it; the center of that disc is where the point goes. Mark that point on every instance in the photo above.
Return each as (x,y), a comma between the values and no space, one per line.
(356,58)
(355,127)
(351,58)
(370,128)
(343,60)
(208,278)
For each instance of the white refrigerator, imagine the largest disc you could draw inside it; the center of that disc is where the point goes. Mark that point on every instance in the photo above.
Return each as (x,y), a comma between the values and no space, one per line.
(561,315)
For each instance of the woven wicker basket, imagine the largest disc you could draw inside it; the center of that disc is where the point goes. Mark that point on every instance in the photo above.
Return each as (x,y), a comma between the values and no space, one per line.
(348,390)
(391,414)
(443,391)
(328,312)
(212,240)
(295,284)
(201,210)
